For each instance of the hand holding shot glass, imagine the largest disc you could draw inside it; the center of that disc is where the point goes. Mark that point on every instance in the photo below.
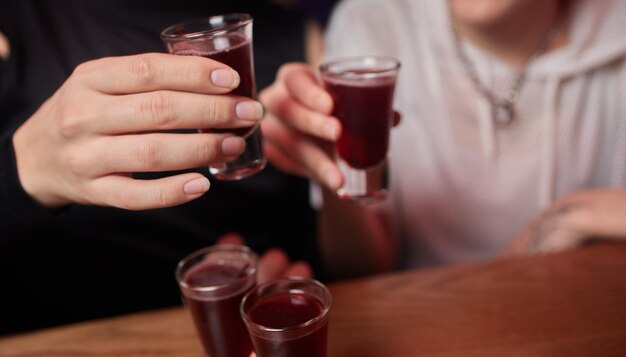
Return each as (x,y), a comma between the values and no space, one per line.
(362,89)
(226,39)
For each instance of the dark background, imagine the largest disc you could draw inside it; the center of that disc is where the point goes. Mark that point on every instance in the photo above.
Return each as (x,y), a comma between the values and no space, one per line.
(86,262)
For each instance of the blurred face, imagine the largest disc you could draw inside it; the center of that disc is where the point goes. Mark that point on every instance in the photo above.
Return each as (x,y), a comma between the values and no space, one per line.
(486,13)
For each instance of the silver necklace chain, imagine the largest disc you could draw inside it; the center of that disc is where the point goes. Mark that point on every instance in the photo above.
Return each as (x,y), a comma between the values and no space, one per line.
(502,108)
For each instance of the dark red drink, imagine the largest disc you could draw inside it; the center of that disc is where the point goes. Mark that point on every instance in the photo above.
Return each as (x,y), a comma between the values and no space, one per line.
(213,282)
(239,58)
(220,328)
(362,90)
(364,109)
(287,310)
(288,318)
(226,39)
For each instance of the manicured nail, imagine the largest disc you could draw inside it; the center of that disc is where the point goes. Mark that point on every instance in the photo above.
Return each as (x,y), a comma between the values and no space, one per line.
(225,78)
(249,110)
(196,186)
(233,145)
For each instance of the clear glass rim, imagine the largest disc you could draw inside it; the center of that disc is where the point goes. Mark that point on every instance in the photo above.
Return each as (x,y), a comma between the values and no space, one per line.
(238,20)
(250,271)
(370,62)
(327,304)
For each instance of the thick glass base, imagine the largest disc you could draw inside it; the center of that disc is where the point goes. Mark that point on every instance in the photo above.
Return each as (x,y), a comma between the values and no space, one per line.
(247,164)
(369,185)
(237,173)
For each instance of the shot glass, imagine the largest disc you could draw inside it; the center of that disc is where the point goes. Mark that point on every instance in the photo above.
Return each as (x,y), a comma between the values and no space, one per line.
(362,89)
(226,39)
(213,282)
(288,318)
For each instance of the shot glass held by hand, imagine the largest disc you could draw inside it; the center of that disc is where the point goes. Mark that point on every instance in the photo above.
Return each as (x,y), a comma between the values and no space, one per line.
(362,89)
(226,39)
(213,282)
(288,318)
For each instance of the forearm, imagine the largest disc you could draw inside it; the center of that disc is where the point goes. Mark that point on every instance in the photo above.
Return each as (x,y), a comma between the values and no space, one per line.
(574,219)
(599,213)
(355,239)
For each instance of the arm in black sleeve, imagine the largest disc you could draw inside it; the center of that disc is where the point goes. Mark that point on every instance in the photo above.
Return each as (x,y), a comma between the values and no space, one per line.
(20,215)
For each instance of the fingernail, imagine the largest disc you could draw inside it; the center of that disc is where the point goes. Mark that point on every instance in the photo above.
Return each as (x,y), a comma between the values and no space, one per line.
(199,185)
(233,145)
(249,110)
(331,132)
(225,78)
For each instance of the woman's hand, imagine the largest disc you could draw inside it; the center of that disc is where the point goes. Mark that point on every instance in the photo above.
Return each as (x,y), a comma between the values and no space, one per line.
(573,219)
(100,126)
(274,263)
(299,131)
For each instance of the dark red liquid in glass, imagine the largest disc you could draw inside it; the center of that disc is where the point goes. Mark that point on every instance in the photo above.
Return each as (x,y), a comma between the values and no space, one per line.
(219,324)
(238,55)
(364,109)
(288,310)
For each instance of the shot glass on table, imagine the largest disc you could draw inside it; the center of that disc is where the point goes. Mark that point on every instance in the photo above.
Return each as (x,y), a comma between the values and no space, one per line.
(213,282)
(288,317)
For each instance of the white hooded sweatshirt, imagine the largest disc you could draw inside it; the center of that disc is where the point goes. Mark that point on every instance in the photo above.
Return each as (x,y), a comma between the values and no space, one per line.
(463,186)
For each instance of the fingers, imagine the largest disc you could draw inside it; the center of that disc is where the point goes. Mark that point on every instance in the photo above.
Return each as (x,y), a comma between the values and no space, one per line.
(312,158)
(284,162)
(560,227)
(301,82)
(272,264)
(131,194)
(299,269)
(231,238)
(598,212)
(275,263)
(306,120)
(162,110)
(159,152)
(157,71)
(280,100)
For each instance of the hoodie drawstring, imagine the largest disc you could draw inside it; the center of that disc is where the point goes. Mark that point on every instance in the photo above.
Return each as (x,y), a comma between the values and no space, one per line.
(487,130)
(550,144)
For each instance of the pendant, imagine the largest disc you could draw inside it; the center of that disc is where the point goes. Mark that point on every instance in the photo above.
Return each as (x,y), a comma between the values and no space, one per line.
(503,112)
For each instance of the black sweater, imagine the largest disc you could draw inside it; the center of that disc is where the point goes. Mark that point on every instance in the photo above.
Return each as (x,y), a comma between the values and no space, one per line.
(85,261)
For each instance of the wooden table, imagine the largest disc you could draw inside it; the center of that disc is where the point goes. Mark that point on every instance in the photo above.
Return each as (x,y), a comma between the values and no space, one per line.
(569,304)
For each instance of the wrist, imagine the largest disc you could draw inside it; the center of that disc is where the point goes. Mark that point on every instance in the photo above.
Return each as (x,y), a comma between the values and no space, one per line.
(33,183)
